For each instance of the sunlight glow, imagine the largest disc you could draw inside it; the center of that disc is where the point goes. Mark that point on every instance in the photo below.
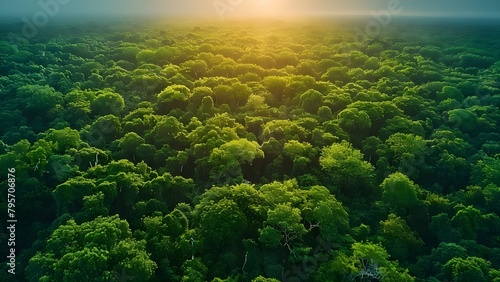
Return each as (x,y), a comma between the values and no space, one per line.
(265,9)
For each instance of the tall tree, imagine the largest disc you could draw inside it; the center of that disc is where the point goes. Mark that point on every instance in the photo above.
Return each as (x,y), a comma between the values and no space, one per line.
(345,166)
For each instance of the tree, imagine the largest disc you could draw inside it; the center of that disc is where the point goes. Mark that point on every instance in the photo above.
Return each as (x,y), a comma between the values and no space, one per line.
(166,240)
(166,131)
(368,262)
(147,79)
(93,207)
(146,56)
(325,113)
(346,168)
(355,122)
(451,142)
(463,119)
(399,191)
(308,67)
(64,139)
(220,223)
(450,92)
(401,144)
(277,86)
(93,251)
(107,102)
(282,227)
(441,228)
(300,154)
(222,95)
(194,271)
(453,172)
(337,100)
(400,124)
(198,94)
(240,92)
(248,199)
(61,168)
(129,144)
(102,131)
(38,100)
(433,264)
(69,195)
(263,279)
(410,103)
(372,63)
(174,96)
(286,58)
(168,189)
(195,68)
(283,130)
(408,151)
(398,238)
(77,105)
(227,160)
(467,220)
(335,74)
(266,62)
(484,172)
(475,61)
(322,209)
(311,100)
(468,269)
(372,259)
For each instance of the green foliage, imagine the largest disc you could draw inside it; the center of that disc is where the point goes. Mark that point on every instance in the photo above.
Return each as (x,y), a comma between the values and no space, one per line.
(325,210)
(311,101)
(399,191)
(220,223)
(107,102)
(93,251)
(398,238)
(166,131)
(38,100)
(353,120)
(263,279)
(174,96)
(69,195)
(194,271)
(335,74)
(467,219)
(226,161)
(468,269)
(485,171)
(64,139)
(450,92)
(346,168)
(368,261)
(406,145)
(129,144)
(283,130)
(213,152)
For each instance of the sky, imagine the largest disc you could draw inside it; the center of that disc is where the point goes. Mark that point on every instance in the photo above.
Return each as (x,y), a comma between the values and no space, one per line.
(247,8)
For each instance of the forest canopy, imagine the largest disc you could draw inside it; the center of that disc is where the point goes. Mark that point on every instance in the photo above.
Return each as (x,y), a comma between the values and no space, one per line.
(252,152)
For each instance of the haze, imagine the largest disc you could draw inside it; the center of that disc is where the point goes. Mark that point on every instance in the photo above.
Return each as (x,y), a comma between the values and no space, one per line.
(252,8)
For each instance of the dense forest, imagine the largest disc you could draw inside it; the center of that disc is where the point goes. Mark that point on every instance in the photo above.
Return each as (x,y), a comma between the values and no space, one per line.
(240,151)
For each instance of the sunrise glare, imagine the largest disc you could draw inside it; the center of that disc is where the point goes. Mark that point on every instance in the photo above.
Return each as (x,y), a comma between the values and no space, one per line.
(269,8)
